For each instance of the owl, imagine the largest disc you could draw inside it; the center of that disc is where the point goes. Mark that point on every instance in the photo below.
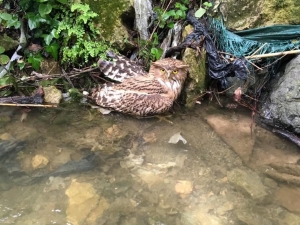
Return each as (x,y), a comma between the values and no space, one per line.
(140,93)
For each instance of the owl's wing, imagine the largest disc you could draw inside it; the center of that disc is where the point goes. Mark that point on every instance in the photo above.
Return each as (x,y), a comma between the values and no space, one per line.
(135,96)
(120,68)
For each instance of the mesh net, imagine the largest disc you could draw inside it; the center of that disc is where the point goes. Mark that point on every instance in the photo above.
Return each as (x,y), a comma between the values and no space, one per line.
(272,39)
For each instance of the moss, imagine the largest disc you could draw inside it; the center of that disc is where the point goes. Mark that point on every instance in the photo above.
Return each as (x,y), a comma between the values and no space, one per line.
(196,83)
(110,21)
(242,14)
(281,12)
(246,14)
(109,14)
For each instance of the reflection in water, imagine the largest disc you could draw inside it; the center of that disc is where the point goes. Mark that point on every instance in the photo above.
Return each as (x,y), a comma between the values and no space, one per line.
(75,166)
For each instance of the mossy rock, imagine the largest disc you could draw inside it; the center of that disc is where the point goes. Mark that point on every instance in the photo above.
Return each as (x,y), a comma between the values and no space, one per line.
(245,14)
(113,15)
(196,83)
(8,43)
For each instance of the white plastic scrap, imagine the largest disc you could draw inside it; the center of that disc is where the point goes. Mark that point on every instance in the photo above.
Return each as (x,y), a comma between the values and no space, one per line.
(176,138)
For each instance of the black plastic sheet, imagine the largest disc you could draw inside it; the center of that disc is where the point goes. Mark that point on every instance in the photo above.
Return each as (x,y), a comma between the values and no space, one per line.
(218,69)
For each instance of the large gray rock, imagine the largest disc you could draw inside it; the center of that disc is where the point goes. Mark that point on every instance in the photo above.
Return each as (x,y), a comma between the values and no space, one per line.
(283,106)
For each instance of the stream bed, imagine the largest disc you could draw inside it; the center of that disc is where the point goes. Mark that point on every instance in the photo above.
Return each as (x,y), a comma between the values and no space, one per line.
(201,167)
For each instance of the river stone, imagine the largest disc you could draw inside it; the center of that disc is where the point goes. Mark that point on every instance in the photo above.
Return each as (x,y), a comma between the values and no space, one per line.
(39,161)
(251,218)
(8,43)
(196,83)
(289,198)
(199,217)
(283,105)
(82,200)
(290,219)
(248,183)
(52,95)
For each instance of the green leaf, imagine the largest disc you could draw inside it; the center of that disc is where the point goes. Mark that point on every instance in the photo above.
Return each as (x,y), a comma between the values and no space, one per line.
(7,80)
(4,59)
(14,22)
(2,49)
(200,12)
(45,9)
(63,1)
(157,52)
(35,61)
(41,0)
(171,25)
(208,4)
(5,16)
(53,50)
(21,65)
(33,20)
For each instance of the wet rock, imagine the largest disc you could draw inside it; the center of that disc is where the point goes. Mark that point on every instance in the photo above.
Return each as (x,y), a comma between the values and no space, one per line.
(39,161)
(150,197)
(282,106)
(11,146)
(112,17)
(270,182)
(290,219)
(8,43)
(288,168)
(184,187)
(6,137)
(82,200)
(226,207)
(52,95)
(54,183)
(248,183)
(199,217)
(289,198)
(132,161)
(282,177)
(121,186)
(251,218)
(149,177)
(149,137)
(236,133)
(98,211)
(196,83)
(249,14)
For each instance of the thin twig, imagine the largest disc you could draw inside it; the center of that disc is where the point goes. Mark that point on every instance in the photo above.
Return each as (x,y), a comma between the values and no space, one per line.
(28,105)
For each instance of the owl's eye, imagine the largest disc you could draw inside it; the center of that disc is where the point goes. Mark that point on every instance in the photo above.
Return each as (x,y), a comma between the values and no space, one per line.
(175,71)
(162,70)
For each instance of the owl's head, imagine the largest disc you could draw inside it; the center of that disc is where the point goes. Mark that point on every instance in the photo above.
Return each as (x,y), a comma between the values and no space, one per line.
(169,69)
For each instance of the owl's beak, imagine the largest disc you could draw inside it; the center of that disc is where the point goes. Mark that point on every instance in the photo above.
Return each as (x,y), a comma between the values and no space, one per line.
(168,74)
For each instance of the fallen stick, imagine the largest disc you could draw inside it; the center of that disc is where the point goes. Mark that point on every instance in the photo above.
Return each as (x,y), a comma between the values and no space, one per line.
(273,54)
(27,105)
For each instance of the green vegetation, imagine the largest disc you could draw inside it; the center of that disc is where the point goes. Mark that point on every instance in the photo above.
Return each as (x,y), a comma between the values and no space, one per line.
(202,10)
(166,16)
(65,31)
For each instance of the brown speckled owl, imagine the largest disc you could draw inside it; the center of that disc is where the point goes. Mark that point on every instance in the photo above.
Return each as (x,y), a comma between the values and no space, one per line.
(140,93)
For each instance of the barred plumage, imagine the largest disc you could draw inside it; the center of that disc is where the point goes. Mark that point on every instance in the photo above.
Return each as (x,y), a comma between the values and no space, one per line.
(141,93)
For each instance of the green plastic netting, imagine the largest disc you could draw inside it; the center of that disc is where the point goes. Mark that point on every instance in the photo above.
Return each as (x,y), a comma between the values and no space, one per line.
(271,39)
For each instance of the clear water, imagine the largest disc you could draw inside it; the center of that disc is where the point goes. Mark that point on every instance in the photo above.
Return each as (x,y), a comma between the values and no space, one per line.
(124,171)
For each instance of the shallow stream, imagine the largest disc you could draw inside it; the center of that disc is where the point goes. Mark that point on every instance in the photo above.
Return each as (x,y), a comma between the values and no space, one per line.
(74,166)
